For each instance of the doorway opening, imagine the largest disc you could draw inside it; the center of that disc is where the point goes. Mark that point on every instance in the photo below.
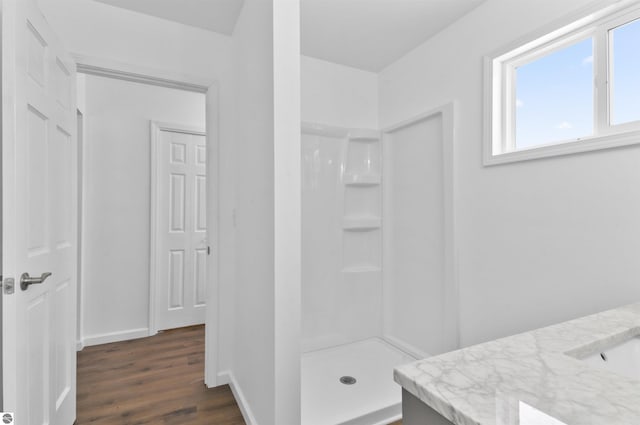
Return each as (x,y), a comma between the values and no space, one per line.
(141,175)
(134,179)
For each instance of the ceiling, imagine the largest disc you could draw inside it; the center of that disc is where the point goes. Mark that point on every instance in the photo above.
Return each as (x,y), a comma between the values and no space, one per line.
(213,15)
(364,34)
(371,34)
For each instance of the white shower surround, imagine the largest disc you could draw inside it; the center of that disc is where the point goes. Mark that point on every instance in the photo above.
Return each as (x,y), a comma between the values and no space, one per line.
(417,303)
(342,254)
(350,287)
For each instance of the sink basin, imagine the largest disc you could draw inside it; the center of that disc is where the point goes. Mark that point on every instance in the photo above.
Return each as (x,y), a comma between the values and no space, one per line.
(623,359)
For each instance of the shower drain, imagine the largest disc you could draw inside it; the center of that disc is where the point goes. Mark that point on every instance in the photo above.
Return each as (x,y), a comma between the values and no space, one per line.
(348,380)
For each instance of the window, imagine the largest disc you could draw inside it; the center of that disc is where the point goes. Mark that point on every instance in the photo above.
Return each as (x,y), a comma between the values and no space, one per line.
(571,90)
(625,81)
(554,97)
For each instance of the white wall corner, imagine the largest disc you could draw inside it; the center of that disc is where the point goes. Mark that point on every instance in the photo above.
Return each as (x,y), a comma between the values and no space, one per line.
(227,378)
(288,209)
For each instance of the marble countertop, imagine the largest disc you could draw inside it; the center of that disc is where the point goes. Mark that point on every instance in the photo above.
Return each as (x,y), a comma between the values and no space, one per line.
(487,384)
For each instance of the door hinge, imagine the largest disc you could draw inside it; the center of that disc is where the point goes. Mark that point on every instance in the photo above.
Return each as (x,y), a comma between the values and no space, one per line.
(8,285)
(208,250)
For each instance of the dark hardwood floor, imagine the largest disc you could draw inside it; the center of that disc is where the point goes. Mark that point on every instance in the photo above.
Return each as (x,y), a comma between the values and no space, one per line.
(155,380)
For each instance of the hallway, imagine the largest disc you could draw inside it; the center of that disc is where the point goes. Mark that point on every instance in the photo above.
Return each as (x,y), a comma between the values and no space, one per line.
(155,380)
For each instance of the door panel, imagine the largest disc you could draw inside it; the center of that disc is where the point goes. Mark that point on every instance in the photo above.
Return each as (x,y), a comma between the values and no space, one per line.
(201,204)
(61,190)
(36,62)
(177,203)
(181,260)
(36,183)
(176,279)
(201,276)
(37,377)
(39,183)
(62,352)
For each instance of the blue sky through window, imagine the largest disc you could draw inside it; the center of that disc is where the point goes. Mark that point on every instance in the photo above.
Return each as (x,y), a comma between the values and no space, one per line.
(626,73)
(554,96)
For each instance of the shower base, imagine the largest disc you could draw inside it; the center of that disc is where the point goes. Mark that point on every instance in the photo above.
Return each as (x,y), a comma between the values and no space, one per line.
(374,399)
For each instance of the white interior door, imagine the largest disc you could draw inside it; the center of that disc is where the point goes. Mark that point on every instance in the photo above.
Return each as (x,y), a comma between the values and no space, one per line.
(39,181)
(181,228)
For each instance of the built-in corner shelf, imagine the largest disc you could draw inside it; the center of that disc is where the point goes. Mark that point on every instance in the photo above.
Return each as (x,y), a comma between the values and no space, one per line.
(362,268)
(361,223)
(362,180)
(364,136)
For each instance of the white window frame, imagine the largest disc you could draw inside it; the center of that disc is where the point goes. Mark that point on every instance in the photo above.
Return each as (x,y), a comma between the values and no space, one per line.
(500,103)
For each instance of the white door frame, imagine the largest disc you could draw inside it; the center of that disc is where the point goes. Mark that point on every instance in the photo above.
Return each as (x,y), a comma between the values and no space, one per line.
(156,128)
(209,87)
(80,124)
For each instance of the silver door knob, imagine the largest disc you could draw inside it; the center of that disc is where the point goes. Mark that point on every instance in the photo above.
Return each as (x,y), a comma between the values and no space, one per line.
(26,280)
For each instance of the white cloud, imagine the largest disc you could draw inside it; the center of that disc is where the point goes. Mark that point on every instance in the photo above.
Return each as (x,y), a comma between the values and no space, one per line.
(588,60)
(519,103)
(564,125)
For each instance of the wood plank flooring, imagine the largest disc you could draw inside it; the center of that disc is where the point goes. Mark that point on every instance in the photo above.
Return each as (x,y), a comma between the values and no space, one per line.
(155,380)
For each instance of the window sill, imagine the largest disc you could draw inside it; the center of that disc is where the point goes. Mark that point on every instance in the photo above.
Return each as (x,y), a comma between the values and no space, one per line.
(564,148)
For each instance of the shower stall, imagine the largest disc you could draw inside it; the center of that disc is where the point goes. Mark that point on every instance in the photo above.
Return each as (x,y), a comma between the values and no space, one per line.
(378,284)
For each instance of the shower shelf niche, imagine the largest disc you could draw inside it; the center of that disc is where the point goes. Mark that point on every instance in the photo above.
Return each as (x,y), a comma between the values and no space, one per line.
(362,179)
(362,135)
(362,268)
(362,220)
(361,223)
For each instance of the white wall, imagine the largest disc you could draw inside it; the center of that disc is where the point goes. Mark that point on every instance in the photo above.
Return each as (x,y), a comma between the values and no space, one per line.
(539,242)
(288,208)
(266,370)
(253,367)
(117,160)
(338,95)
(100,30)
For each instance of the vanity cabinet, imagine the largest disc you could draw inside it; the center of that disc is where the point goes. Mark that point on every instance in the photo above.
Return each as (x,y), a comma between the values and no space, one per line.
(415,412)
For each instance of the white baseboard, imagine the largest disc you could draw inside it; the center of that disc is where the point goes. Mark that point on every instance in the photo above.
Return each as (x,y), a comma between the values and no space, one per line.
(79,345)
(414,352)
(115,336)
(228,378)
